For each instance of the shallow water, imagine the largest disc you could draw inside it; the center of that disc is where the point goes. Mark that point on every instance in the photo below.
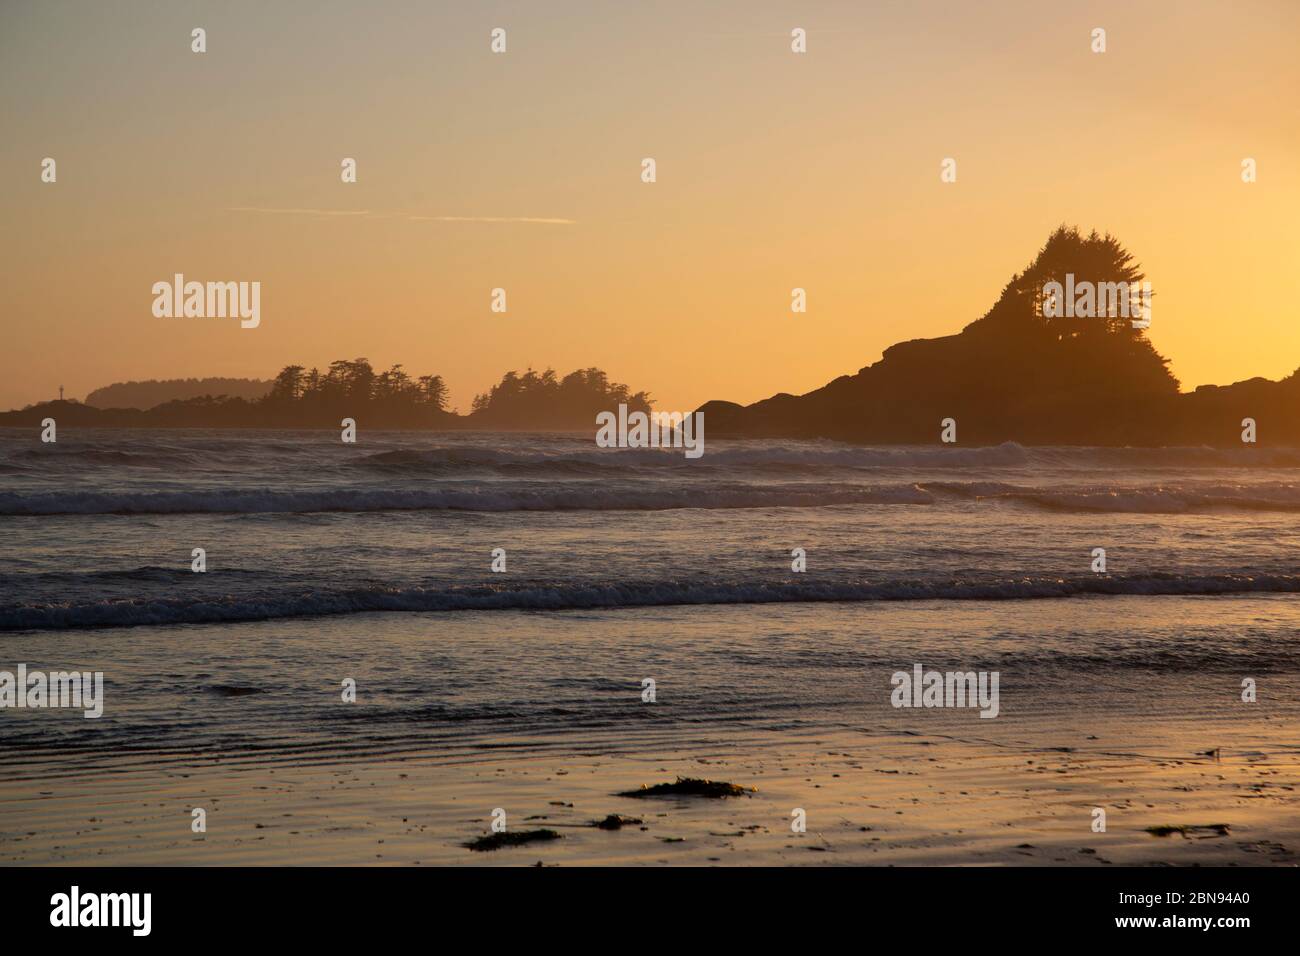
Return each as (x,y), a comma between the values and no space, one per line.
(98,530)
(372,562)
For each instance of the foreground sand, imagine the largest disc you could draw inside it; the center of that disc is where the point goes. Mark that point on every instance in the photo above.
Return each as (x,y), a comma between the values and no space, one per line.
(891,798)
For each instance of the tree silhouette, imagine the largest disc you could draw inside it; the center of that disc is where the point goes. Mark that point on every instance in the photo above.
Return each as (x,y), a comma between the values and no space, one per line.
(544,400)
(1099,259)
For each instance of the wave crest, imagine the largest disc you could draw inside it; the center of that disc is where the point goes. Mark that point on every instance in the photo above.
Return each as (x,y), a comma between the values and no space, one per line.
(563,597)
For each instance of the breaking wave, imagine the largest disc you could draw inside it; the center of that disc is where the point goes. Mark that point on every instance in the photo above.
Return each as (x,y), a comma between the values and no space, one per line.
(659,496)
(562,597)
(522,497)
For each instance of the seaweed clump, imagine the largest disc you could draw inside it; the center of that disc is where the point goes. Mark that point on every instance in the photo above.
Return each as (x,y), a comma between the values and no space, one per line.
(495,841)
(690,787)
(1186,830)
(616,821)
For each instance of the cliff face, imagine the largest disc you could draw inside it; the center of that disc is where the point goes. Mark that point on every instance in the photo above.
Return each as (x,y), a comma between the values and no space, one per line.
(1013,375)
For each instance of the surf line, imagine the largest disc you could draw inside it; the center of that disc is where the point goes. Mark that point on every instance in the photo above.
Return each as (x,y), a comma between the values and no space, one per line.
(654,430)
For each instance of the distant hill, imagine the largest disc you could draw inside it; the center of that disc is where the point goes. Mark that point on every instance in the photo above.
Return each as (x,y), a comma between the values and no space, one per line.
(146,395)
(1016,375)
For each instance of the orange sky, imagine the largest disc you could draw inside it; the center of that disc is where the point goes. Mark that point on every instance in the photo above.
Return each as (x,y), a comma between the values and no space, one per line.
(775,170)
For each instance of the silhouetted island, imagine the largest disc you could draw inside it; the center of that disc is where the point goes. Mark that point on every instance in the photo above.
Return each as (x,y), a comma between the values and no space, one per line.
(351,388)
(1020,374)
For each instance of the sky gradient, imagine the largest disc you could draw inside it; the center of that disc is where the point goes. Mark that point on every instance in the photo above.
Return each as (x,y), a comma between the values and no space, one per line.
(775,170)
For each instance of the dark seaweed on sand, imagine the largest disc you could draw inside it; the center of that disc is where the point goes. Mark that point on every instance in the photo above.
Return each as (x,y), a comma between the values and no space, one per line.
(616,821)
(1220,829)
(495,841)
(690,787)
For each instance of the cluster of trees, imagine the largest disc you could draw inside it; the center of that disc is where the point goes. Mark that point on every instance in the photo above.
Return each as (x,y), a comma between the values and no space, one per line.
(354,382)
(532,399)
(528,400)
(1062,356)
(1095,258)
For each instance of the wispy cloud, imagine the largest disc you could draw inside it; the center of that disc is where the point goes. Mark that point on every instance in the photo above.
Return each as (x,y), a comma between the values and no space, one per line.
(532,220)
(303,212)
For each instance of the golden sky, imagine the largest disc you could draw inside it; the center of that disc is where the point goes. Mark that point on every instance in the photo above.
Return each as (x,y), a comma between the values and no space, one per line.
(775,170)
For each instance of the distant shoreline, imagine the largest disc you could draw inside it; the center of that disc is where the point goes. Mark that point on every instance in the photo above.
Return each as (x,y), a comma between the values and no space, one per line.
(1209,417)
(69,414)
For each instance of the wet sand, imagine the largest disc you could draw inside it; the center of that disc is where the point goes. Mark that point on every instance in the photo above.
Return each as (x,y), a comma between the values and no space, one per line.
(874,798)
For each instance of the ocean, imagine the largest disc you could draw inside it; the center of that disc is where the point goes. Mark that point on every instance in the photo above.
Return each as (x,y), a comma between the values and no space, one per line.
(372,563)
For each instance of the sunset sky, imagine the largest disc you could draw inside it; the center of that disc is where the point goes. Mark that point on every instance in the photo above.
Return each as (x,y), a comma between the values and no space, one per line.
(775,170)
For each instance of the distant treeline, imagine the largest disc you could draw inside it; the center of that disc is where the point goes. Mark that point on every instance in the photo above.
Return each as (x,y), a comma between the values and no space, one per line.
(351,388)
(531,399)
(1022,372)
(153,392)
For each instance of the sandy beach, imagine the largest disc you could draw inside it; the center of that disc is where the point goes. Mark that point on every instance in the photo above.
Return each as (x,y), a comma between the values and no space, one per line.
(870,797)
